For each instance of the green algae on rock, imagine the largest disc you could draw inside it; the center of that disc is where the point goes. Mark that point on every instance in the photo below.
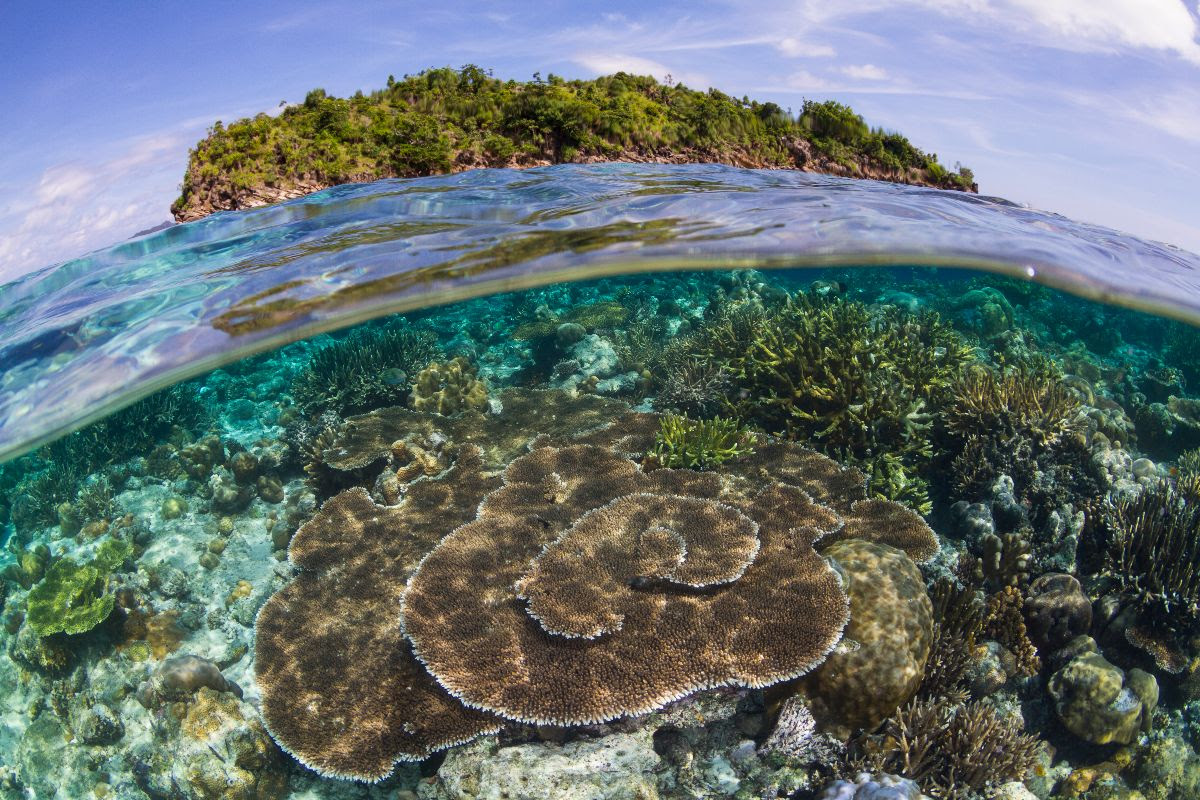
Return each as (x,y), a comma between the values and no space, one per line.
(71,598)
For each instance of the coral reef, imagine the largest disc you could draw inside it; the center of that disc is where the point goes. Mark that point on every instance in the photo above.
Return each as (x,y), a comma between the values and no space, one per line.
(881,659)
(697,444)
(1025,423)
(579,541)
(694,388)
(449,387)
(212,748)
(873,787)
(958,616)
(1056,611)
(368,368)
(1004,622)
(179,677)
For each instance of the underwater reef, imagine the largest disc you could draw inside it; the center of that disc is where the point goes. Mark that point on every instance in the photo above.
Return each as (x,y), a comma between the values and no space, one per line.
(753,535)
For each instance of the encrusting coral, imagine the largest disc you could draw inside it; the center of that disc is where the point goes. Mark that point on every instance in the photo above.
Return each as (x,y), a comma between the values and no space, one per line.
(73,597)
(685,580)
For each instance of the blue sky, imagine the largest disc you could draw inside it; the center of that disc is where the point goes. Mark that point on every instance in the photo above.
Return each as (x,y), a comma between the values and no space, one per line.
(1090,108)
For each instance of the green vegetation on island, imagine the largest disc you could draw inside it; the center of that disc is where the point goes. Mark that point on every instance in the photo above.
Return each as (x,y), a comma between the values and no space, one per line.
(444,120)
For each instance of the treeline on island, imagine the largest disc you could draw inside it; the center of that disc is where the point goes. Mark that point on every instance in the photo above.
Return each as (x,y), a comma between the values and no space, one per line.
(447,120)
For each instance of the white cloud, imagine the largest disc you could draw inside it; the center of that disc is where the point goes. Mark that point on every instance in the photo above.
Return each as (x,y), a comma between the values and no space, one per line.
(64,182)
(804,81)
(866,72)
(77,207)
(1075,25)
(608,63)
(1110,24)
(796,48)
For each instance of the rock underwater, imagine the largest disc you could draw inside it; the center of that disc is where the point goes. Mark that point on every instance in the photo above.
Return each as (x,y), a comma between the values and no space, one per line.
(573,587)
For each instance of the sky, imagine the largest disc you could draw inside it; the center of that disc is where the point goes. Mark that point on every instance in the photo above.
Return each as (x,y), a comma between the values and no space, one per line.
(1088,108)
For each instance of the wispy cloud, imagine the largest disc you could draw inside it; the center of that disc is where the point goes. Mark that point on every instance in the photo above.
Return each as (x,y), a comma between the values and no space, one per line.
(77,206)
(1112,26)
(607,63)
(865,72)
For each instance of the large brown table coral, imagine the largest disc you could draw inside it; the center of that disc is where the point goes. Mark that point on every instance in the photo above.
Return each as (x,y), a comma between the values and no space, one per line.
(574,587)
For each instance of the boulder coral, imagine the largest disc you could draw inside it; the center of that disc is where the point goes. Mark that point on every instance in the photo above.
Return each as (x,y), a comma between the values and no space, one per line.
(1101,703)
(881,660)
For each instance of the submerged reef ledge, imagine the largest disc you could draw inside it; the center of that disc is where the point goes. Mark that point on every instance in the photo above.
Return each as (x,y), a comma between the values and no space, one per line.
(445,121)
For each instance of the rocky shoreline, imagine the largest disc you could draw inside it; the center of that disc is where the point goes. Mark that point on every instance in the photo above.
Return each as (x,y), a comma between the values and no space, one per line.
(210,195)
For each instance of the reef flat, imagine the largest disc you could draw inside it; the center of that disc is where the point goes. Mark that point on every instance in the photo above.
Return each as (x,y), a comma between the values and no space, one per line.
(854,533)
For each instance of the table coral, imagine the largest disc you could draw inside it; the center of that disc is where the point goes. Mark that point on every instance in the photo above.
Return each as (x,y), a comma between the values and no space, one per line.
(340,691)
(642,557)
(775,622)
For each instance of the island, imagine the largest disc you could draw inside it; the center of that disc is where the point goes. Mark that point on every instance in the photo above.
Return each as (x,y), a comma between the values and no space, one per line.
(448,120)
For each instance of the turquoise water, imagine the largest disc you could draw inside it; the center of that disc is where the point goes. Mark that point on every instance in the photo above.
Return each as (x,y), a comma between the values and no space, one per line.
(604,481)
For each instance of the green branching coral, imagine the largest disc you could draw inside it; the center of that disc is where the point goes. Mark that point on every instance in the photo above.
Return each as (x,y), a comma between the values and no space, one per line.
(889,479)
(1028,402)
(1188,466)
(369,368)
(684,443)
(1020,421)
(601,314)
(829,372)
(71,598)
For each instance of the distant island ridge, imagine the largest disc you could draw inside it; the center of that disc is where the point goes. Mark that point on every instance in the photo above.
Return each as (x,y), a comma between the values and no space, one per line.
(449,120)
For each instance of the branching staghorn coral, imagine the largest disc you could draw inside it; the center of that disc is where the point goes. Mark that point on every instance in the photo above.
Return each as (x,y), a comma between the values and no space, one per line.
(828,371)
(370,368)
(951,749)
(957,625)
(1151,547)
(697,444)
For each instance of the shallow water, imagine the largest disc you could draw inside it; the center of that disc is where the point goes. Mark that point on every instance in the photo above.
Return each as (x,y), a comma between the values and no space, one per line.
(486,547)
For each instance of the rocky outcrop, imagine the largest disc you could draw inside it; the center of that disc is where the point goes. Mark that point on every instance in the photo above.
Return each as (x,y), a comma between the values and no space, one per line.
(207,195)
